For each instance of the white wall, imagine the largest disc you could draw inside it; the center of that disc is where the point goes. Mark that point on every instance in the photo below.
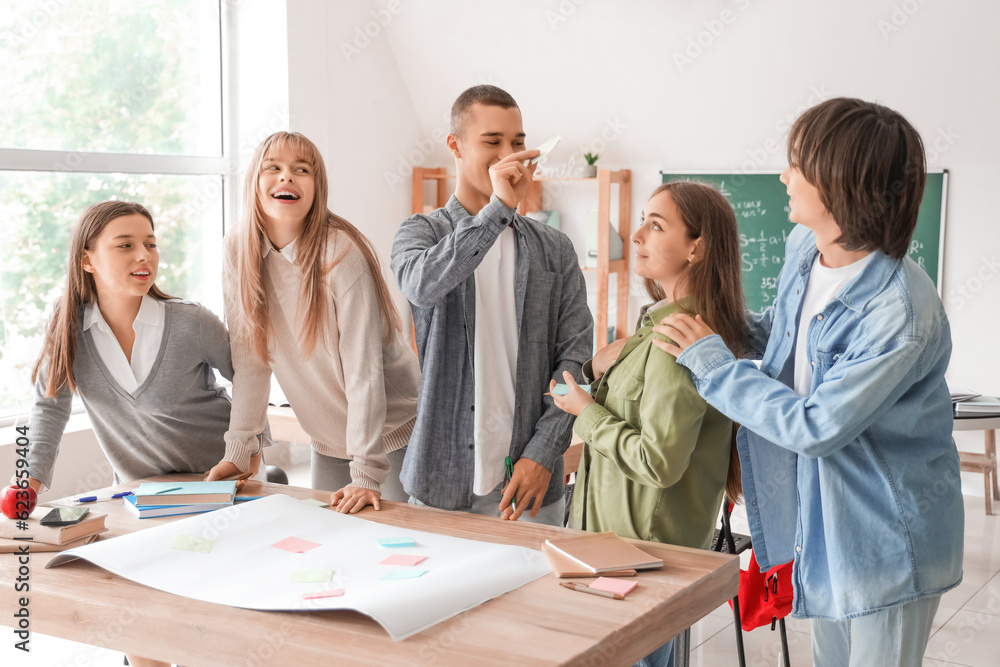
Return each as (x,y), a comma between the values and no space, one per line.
(347,95)
(676,85)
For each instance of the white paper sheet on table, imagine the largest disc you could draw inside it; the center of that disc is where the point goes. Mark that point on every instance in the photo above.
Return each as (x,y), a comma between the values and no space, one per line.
(244,570)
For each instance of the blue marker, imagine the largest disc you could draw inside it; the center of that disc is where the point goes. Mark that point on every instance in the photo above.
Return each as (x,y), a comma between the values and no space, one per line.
(92,499)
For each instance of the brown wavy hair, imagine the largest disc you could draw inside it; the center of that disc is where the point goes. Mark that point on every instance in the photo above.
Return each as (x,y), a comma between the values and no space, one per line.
(311,249)
(714,281)
(59,348)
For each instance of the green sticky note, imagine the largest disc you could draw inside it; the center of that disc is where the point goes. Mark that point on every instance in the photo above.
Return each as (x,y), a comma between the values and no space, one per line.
(404,574)
(311,576)
(317,503)
(200,545)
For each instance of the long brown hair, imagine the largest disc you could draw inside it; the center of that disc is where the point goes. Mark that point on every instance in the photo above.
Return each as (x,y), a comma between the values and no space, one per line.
(311,253)
(59,349)
(714,281)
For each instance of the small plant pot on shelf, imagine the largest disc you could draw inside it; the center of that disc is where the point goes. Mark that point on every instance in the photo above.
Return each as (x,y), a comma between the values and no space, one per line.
(590,171)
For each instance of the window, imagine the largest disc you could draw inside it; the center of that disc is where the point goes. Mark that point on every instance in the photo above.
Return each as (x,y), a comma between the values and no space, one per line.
(105,100)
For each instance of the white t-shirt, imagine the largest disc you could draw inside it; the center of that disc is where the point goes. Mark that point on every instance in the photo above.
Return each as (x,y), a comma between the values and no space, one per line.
(495,361)
(824,285)
(148,327)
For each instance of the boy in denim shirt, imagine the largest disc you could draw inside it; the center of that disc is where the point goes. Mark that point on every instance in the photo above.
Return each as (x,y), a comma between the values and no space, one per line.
(847,424)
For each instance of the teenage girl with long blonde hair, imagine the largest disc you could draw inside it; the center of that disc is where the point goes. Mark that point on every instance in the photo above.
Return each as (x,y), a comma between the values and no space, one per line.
(306,301)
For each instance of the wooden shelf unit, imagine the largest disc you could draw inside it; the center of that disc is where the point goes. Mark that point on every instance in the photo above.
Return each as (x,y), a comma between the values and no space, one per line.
(440,177)
(605,266)
(533,202)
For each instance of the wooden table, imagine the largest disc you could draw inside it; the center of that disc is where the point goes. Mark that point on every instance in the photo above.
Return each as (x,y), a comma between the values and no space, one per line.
(985,463)
(285,425)
(540,623)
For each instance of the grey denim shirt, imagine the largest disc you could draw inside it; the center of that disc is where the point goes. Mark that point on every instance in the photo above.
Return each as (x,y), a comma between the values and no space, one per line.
(434,258)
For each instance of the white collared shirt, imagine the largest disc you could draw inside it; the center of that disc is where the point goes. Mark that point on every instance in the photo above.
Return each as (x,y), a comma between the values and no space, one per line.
(290,251)
(148,327)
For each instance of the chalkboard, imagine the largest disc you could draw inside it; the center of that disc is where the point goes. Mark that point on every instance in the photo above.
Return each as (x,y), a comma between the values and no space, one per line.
(761,206)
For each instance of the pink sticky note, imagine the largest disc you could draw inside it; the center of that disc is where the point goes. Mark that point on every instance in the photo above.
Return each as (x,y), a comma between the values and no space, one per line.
(620,586)
(333,593)
(295,545)
(402,559)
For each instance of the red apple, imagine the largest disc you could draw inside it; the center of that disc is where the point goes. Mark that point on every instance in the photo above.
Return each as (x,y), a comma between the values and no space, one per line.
(17,503)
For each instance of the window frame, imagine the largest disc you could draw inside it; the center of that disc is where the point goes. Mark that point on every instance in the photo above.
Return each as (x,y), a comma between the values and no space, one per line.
(224,166)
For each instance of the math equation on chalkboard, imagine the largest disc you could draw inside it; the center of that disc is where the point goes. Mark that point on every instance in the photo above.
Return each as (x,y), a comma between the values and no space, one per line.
(760,203)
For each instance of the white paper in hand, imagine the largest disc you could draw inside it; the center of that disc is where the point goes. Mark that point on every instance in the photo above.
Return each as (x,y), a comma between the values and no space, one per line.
(546,148)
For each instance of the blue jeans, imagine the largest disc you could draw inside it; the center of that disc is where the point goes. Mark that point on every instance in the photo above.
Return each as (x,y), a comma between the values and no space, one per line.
(893,637)
(661,657)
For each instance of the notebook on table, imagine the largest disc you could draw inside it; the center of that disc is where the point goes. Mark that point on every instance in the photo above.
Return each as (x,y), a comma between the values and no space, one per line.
(56,535)
(603,552)
(18,546)
(152,511)
(184,493)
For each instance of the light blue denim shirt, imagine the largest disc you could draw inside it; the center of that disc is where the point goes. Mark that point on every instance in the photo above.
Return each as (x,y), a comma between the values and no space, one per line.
(858,482)
(434,258)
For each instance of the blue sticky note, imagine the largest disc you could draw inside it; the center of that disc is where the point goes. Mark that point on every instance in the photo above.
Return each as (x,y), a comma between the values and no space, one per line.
(396,542)
(562,389)
(404,574)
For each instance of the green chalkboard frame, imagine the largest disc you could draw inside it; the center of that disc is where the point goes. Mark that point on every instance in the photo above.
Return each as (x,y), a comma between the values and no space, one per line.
(761,206)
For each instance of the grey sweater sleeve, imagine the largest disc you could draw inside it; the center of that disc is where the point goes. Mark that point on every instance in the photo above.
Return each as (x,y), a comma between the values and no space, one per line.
(215,342)
(218,354)
(48,420)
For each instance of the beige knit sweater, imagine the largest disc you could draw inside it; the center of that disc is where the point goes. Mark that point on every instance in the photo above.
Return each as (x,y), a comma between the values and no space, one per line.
(354,396)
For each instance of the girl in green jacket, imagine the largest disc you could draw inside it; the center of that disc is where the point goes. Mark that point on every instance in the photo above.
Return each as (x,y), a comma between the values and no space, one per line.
(657,457)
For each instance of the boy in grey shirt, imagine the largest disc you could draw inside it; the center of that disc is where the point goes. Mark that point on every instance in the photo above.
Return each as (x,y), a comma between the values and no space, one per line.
(499,294)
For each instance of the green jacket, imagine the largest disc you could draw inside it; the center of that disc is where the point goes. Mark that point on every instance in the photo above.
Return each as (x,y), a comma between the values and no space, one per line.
(656,456)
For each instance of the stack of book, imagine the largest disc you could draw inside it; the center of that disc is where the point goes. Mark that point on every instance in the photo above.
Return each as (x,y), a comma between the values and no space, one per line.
(968,404)
(15,534)
(154,499)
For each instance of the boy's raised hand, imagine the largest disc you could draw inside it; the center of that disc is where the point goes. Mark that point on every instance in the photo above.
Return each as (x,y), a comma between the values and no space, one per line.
(510,178)
(575,400)
(683,329)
